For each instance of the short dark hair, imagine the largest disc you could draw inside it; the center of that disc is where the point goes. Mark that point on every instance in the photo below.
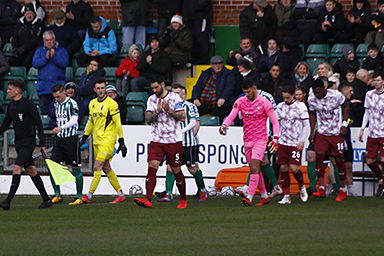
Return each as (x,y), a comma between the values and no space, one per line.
(318,83)
(275,65)
(349,70)
(373,47)
(57,88)
(377,74)
(158,79)
(18,84)
(344,85)
(289,89)
(100,80)
(248,83)
(179,86)
(95,19)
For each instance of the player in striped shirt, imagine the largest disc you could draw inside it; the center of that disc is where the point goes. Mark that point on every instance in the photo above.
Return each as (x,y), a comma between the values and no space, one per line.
(189,128)
(66,149)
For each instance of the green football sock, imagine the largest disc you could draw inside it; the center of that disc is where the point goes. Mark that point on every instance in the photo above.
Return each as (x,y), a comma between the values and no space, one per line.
(269,172)
(169,181)
(79,182)
(56,188)
(198,175)
(312,175)
(336,186)
(249,176)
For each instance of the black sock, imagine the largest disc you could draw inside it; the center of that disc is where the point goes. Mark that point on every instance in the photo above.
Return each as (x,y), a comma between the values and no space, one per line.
(40,186)
(14,186)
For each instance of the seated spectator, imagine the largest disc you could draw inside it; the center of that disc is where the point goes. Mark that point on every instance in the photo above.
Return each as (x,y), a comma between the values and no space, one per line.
(376,33)
(166,9)
(50,60)
(301,95)
(86,84)
(374,61)
(128,70)
(349,77)
(4,65)
(78,14)
(214,90)
(291,54)
(272,55)
(301,77)
(177,41)
(334,81)
(331,24)
(112,93)
(135,15)
(323,69)
(359,20)
(245,70)
(257,21)
(273,82)
(283,10)
(66,35)
(99,43)
(153,63)
(26,38)
(360,88)
(9,17)
(39,10)
(347,62)
(246,49)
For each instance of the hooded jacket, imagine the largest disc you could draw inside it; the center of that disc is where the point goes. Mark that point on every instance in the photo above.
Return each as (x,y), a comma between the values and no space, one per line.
(83,13)
(87,83)
(26,37)
(135,12)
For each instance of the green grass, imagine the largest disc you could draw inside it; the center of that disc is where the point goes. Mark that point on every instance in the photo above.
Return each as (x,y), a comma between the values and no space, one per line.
(220,226)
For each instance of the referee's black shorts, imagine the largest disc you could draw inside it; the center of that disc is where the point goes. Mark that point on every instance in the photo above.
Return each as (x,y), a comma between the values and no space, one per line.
(190,155)
(24,150)
(67,150)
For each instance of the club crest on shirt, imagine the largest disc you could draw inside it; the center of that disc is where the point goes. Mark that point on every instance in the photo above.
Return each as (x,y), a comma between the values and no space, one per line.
(102,107)
(21,118)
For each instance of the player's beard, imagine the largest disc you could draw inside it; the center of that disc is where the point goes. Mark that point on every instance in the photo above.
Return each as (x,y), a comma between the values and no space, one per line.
(160,92)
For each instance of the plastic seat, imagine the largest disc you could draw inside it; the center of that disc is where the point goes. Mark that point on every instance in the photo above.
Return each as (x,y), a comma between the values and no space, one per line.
(312,63)
(79,72)
(7,50)
(31,87)
(209,121)
(16,73)
(32,74)
(317,51)
(137,97)
(45,120)
(362,50)
(68,73)
(337,50)
(135,114)
(110,73)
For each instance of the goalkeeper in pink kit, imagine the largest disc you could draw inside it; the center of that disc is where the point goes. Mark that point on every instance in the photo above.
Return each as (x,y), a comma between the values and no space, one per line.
(255,110)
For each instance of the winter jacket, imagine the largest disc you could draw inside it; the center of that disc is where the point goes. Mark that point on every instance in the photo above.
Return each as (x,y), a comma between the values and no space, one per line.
(50,71)
(266,61)
(365,16)
(4,65)
(128,65)
(226,84)
(67,37)
(39,10)
(274,87)
(168,8)
(135,12)
(83,13)
(87,83)
(26,37)
(304,84)
(283,14)
(336,19)
(253,54)
(343,65)
(252,75)
(374,64)
(104,41)
(196,9)
(177,43)
(161,64)
(9,16)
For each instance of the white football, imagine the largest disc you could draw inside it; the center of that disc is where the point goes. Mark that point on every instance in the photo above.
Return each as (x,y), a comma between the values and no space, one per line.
(227,191)
(212,191)
(136,190)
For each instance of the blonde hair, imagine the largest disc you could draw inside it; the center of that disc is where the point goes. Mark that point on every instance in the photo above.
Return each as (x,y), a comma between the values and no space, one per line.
(301,63)
(133,48)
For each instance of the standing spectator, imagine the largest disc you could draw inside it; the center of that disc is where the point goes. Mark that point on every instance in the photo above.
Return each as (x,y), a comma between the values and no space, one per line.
(79,14)
(99,43)
(376,33)
(177,41)
(166,9)
(374,61)
(359,20)
(112,93)
(214,90)
(360,88)
(153,63)
(86,84)
(304,20)
(9,16)
(331,24)
(135,13)
(347,62)
(66,34)
(128,70)
(39,10)
(246,49)
(292,54)
(51,61)
(283,10)
(4,65)
(315,5)
(301,77)
(272,55)
(257,21)
(26,38)
(197,15)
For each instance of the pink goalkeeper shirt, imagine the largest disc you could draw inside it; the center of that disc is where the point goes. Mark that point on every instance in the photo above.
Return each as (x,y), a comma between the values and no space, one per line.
(255,114)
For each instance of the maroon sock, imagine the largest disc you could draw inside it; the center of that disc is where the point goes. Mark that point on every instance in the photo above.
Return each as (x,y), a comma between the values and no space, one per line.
(285,182)
(375,168)
(299,177)
(150,182)
(342,171)
(320,168)
(180,183)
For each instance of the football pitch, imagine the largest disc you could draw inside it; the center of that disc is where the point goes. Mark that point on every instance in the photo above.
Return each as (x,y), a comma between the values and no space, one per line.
(220,226)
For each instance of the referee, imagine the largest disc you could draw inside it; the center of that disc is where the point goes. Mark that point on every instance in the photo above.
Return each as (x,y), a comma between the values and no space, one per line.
(66,149)
(23,114)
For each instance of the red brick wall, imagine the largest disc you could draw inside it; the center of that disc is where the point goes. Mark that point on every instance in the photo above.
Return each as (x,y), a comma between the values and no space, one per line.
(225,12)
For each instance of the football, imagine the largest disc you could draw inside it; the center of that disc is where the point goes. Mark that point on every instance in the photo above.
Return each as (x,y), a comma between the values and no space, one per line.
(227,191)
(136,190)
(212,191)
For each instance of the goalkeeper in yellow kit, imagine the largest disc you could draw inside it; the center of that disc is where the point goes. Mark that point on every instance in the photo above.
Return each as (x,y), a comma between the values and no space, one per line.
(104,124)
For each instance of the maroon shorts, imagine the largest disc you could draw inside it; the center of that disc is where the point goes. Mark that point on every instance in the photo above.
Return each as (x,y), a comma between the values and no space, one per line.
(288,155)
(172,151)
(374,146)
(333,145)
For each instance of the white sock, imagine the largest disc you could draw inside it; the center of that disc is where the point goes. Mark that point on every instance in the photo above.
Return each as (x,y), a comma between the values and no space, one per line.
(89,195)
(343,188)
(120,193)
(264,195)
(250,197)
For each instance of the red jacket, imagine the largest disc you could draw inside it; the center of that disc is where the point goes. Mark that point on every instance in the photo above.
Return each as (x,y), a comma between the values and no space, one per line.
(128,65)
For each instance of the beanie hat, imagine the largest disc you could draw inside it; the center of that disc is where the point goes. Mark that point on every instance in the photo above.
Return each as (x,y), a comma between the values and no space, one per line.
(245,62)
(347,50)
(29,7)
(110,87)
(177,18)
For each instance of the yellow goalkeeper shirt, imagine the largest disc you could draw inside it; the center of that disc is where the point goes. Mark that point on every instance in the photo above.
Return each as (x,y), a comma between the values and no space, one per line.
(104,121)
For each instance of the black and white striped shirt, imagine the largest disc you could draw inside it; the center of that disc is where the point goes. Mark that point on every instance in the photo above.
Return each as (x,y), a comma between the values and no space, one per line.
(64,111)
